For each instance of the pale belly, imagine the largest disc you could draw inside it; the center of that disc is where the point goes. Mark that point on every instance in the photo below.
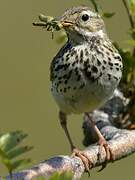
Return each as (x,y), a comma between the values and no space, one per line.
(87,99)
(99,81)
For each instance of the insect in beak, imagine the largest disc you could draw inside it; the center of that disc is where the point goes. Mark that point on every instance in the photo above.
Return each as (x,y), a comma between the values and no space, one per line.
(49,23)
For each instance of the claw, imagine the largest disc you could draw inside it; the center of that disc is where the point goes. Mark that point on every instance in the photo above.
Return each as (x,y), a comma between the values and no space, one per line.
(85,159)
(109,154)
(102,143)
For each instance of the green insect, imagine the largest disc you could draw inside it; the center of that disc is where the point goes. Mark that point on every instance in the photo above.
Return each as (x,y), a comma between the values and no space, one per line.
(49,23)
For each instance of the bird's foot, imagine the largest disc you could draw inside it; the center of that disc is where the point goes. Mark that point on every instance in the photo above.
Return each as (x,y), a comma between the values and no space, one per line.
(109,155)
(85,159)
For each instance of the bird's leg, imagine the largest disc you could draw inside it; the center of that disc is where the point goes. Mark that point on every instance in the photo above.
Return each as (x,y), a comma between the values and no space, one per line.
(75,152)
(63,122)
(102,142)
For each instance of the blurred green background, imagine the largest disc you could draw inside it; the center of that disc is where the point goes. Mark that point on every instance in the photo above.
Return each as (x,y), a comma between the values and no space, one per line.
(25,99)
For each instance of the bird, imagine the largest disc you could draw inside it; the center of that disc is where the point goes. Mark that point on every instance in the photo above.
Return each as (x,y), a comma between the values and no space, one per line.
(85,72)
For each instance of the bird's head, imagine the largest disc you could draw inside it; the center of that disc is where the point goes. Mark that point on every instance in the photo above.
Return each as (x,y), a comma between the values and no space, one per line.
(82,22)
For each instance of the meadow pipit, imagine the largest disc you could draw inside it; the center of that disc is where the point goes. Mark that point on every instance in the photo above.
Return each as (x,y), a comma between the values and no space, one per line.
(86,70)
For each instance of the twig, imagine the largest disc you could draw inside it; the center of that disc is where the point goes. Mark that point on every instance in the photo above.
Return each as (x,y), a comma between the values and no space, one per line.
(129,13)
(130,19)
(96,6)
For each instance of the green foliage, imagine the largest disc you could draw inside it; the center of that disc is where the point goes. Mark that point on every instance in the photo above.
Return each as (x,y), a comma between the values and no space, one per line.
(99,9)
(10,150)
(63,176)
(108,14)
(40,178)
(58,176)
(128,56)
(132,6)
(131,42)
(96,5)
(129,63)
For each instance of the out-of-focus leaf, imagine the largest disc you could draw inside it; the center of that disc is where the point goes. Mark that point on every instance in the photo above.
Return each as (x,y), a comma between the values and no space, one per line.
(129,77)
(9,150)
(19,164)
(3,154)
(108,14)
(129,65)
(132,6)
(5,160)
(55,176)
(132,32)
(10,140)
(130,42)
(96,5)
(18,151)
(40,178)
(2,178)
(62,176)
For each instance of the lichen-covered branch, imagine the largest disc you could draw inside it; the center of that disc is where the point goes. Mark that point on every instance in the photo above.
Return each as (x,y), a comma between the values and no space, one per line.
(121,142)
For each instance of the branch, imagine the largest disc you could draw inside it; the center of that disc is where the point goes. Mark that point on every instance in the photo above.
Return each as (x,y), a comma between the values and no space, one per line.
(121,142)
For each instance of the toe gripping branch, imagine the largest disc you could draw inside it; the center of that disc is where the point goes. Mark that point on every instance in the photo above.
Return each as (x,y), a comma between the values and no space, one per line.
(108,120)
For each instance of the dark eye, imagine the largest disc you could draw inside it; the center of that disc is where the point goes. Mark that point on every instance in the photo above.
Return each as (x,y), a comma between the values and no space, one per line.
(85,17)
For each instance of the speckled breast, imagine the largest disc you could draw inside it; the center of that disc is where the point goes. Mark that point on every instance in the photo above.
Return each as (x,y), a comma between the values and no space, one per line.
(84,77)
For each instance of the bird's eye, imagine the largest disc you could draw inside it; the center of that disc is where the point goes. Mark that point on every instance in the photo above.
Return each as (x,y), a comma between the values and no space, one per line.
(85,17)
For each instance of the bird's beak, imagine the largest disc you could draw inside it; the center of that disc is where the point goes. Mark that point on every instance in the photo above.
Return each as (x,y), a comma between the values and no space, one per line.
(66,23)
